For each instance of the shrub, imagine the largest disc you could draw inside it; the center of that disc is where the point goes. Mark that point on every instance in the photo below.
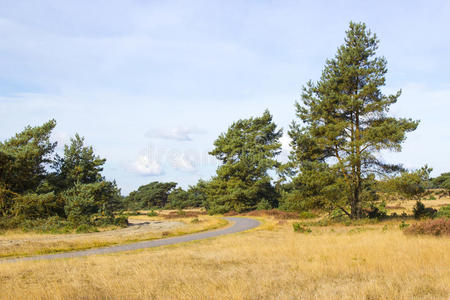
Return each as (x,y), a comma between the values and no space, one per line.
(85,200)
(34,206)
(444,212)
(185,214)
(420,211)
(6,200)
(403,225)
(306,215)
(10,222)
(53,224)
(338,215)
(80,204)
(277,214)
(85,228)
(152,213)
(376,212)
(412,185)
(121,221)
(300,228)
(263,204)
(195,221)
(437,227)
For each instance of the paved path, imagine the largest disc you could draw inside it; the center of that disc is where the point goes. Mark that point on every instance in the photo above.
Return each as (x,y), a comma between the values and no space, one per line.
(240,224)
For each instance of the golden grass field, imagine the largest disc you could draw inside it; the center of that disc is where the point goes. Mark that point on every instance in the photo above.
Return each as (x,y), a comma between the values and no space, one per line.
(270,262)
(367,261)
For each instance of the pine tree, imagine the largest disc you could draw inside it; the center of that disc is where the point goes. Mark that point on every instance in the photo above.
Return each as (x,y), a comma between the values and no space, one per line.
(345,118)
(25,157)
(79,165)
(247,152)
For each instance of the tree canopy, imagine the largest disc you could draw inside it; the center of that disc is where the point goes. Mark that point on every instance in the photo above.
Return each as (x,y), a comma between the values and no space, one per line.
(247,152)
(152,195)
(25,157)
(78,165)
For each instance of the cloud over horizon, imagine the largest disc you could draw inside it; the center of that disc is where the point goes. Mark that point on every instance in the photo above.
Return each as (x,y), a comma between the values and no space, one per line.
(179,133)
(146,166)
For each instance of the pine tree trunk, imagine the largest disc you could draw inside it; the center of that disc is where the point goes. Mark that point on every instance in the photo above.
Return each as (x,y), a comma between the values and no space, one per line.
(355,205)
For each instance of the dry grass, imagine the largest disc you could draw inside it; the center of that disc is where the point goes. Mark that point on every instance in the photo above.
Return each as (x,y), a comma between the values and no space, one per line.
(271,262)
(14,243)
(406,206)
(275,213)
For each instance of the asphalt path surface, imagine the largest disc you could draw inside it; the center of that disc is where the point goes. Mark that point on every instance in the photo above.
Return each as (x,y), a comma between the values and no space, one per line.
(239,224)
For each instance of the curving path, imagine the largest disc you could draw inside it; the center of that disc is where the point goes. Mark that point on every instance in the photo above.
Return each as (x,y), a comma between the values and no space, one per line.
(240,224)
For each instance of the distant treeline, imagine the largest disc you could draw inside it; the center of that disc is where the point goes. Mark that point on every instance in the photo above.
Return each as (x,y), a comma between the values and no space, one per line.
(157,195)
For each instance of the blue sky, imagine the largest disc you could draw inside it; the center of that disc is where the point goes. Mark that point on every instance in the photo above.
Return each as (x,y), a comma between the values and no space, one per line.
(151,84)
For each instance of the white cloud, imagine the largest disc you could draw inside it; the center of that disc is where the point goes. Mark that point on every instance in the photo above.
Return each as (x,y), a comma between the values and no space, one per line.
(179,133)
(183,162)
(146,166)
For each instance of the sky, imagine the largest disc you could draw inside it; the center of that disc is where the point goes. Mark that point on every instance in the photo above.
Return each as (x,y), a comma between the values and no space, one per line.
(151,84)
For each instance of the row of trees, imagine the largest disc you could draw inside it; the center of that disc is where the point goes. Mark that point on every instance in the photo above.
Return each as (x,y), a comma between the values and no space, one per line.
(342,126)
(36,183)
(164,195)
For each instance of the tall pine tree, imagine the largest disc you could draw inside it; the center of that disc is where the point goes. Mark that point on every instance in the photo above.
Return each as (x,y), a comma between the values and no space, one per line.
(345,119)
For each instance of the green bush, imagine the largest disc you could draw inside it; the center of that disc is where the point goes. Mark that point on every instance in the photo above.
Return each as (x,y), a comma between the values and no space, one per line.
(34,206)
(53,224)
(152,213)
(85,228)
(403,225)
(338,215)
(444,212)
(377,211)
(195,221)
(306,215)
(300,228)
(420,211)
(121,221)
(84,201)
(80,204)
(263,204)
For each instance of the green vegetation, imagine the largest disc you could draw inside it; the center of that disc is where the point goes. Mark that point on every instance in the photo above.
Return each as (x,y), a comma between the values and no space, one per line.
(420,211)
(408,185)
(443,212)
(165,195)
(346,125)
(247,152)
(46,192)
(152,195)
(301,228)
(442,182)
